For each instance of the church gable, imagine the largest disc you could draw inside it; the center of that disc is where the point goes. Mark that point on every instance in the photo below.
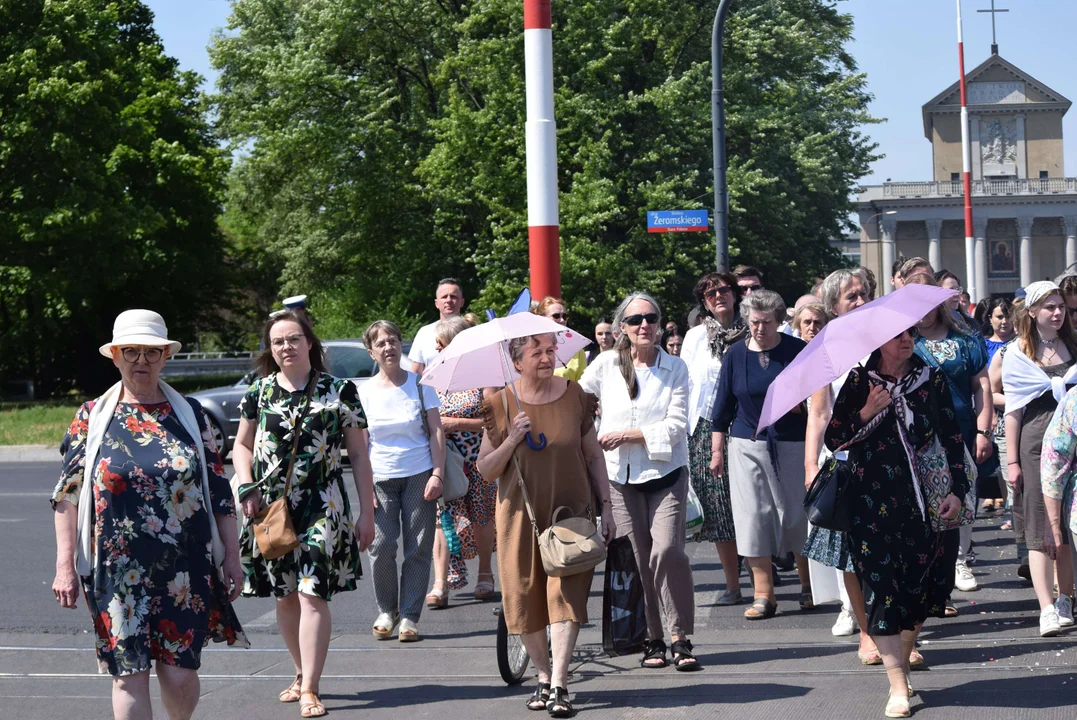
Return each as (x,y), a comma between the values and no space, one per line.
(996,81)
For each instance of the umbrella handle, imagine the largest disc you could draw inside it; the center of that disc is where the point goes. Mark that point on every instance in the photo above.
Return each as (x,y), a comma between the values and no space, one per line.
(531,443)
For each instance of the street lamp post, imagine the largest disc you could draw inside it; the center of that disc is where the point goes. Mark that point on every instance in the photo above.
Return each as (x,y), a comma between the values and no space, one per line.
(721,190)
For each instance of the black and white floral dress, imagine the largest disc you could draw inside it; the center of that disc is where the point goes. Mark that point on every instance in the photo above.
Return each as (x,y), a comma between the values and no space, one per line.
(327,560)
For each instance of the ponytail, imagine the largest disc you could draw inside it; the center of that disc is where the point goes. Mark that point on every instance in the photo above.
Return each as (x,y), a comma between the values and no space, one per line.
(624,358)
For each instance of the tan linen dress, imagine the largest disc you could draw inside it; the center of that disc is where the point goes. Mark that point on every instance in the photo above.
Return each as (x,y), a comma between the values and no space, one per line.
(554,476)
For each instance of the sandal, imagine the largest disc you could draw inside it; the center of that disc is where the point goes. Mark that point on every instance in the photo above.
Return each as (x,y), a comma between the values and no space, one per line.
(383,626)
(897,706)
(806,602)
(683,659)
(916,660)
(484,590)
(950,610)
(408,632)
(539,699)
(558,705)
(310,709)
(761,609)
(654,650)
(292,693)
(438,597)
(870,657)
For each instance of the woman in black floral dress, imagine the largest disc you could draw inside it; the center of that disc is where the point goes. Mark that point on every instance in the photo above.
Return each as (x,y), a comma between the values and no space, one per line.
(896,554)
(327,559)
(145,538)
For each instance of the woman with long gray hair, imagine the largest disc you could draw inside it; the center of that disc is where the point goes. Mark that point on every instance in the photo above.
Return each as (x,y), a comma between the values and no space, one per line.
(643,393)
(766,480)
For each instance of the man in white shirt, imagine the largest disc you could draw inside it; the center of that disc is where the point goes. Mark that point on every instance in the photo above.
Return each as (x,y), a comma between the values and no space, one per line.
(449,300)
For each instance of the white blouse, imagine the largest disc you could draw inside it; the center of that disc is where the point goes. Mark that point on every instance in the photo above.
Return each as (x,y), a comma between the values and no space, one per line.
(660,412)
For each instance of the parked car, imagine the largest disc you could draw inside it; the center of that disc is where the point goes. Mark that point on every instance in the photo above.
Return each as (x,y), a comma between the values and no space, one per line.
(343,358)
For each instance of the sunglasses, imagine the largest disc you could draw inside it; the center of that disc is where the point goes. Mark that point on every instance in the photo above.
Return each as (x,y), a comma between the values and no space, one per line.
(913,332)
(635,320)
(559,316)
(715,292)
(750,288)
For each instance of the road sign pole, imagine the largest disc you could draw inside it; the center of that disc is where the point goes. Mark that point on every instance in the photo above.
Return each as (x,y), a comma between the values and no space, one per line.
(721,191)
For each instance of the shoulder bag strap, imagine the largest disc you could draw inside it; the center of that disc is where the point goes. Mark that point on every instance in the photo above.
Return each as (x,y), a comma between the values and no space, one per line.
(422,408)
(297,430)
(519,470)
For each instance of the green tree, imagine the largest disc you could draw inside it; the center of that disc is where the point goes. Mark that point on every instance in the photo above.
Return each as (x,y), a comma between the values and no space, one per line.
(111,182)
(385,144)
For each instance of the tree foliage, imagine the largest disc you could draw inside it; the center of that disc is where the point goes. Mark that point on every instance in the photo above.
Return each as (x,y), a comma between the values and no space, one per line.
(110,186)
(384,144)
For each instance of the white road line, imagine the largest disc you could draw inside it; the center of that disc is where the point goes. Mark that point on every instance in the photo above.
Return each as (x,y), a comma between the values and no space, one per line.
(266,620)
(12,520)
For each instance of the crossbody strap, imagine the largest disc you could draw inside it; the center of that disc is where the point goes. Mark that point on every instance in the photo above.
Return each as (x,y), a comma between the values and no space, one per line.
(519,470)
(297,429)
(422,408)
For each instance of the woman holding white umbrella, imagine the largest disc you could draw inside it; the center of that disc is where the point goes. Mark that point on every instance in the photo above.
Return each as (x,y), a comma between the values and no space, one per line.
(544,430)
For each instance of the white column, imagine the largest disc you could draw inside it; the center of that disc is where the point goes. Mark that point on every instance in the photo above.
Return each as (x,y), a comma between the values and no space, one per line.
(1070,224)
(1024,231)
(1022,164)
(889,231)
(974,141)
(934,248)
(980,289)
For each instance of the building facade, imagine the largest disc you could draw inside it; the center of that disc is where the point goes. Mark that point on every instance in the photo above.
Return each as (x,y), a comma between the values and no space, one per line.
(1024,207)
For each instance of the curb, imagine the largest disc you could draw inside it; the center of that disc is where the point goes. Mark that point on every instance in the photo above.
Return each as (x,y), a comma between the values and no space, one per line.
(29,453)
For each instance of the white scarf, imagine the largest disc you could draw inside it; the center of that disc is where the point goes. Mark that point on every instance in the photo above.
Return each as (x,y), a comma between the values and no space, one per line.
(1023,380)
(100,417)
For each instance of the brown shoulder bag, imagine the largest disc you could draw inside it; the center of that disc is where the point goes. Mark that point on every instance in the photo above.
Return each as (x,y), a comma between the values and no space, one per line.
(273,527)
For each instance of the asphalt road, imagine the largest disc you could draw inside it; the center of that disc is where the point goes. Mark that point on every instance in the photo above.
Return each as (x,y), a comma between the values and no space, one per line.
(987,663)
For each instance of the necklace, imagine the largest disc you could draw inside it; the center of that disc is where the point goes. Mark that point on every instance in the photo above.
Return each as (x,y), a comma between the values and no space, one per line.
(764,359)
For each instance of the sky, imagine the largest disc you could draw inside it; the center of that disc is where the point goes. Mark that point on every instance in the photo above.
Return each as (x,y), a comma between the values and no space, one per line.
(907,48)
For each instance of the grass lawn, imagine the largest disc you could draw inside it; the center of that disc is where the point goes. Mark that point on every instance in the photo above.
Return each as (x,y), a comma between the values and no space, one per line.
(39,425)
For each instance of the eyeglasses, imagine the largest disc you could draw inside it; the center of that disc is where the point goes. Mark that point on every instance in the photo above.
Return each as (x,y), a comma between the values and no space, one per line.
(559,316)
(913,332)
(635,320)
(750,288)
(715,292)
(132,355)
(291,341)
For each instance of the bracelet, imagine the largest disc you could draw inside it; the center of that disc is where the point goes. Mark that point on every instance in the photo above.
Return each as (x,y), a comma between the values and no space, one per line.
(1014,462)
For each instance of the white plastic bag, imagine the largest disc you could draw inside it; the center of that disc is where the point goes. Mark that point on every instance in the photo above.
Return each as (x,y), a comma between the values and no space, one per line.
(693,521)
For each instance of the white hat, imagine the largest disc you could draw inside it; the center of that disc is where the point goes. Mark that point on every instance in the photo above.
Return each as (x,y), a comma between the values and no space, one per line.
(139,327)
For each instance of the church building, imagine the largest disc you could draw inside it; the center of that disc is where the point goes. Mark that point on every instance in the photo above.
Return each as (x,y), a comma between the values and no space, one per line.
(1024,207)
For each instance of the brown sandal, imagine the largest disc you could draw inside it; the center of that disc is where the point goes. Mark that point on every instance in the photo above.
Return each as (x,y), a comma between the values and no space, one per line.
(311,709)
(292,693)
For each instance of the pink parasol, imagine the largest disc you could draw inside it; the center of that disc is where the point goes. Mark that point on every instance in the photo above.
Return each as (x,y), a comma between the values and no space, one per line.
(478,356)
(844,342)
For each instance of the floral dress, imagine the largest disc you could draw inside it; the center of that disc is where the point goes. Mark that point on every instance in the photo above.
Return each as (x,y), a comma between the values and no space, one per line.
(154,593)
(477,507)
(327,559)
(897,556)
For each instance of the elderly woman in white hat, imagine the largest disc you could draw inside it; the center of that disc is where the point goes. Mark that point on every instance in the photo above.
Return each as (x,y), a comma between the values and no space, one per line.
(145,522)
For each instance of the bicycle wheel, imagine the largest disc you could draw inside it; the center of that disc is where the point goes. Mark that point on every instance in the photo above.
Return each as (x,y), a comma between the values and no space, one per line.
(512,657)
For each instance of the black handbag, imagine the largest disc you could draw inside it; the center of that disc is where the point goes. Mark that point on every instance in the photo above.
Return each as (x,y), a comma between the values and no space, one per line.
(827,502)
(624,615)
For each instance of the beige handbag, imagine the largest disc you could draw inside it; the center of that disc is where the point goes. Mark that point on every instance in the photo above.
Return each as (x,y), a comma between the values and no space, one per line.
(568,547)
(272,526)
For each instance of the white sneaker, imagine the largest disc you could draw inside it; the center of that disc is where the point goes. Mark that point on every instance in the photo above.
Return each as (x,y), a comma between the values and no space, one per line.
(846,624)
(1064,608)
(1049,625)
(964,580)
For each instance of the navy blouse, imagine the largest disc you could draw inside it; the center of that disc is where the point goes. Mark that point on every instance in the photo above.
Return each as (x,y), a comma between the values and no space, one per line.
(742,388)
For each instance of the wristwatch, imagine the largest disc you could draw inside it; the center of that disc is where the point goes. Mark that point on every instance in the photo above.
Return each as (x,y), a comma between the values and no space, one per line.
(986,433)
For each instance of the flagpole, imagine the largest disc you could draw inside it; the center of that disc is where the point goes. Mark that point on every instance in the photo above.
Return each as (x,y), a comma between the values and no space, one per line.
(966,167)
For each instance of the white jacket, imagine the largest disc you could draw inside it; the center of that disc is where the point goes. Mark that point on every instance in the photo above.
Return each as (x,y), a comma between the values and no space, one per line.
(662,416)
(703,370)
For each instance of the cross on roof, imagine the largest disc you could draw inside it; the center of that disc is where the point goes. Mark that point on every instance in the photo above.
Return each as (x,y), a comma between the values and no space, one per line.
(993,11)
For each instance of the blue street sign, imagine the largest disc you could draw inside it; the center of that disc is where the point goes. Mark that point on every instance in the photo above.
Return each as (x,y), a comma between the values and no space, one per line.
(662,221)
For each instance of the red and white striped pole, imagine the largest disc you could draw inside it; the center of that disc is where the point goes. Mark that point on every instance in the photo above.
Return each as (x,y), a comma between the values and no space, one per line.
(542,214)
(966,167)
